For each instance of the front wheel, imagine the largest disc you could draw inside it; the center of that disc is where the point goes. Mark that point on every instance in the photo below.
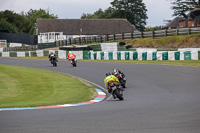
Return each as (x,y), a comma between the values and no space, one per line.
(118,95)
(74,63)
(54,64)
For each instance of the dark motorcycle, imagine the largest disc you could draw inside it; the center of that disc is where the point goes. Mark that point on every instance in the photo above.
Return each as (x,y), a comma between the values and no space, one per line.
(54,61)
(116,91)
(122,79)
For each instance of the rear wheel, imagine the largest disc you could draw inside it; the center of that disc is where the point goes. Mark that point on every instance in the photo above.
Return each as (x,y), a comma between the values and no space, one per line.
(122,83)
(118,95)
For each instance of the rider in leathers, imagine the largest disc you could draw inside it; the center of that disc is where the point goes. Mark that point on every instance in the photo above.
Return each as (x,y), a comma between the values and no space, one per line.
(109,79)
(116,72)
(52,55)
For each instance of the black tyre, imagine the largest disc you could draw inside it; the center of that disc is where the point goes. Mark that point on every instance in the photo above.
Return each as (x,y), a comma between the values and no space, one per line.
(122,83)
(74,63)
(54,63)
(118,95)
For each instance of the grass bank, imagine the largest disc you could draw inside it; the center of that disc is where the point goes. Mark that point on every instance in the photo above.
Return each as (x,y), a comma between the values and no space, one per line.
(28,87)
(170,42)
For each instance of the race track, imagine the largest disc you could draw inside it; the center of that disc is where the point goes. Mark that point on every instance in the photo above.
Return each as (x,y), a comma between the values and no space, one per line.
(158,99)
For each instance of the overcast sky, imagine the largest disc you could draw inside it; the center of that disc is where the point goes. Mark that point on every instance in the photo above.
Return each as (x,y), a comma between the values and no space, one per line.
(158,10)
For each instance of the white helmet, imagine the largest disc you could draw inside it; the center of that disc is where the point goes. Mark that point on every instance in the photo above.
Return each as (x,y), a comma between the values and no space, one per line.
(115,70)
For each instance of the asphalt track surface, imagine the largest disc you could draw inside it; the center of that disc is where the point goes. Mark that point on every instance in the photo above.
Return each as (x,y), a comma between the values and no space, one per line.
(158,99)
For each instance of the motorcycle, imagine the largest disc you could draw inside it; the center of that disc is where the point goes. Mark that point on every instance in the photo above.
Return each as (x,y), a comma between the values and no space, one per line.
(116,91)
(54,61)
(122,79)
(73,61)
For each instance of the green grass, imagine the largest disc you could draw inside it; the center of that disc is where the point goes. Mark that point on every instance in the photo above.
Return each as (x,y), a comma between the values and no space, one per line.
(169,42)
(28,87)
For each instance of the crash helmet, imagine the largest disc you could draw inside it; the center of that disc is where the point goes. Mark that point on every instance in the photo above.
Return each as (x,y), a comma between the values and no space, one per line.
(108,73)
(115,70)
(70,52)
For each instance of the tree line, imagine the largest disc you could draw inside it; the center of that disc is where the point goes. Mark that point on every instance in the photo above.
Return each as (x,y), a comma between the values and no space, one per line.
(23,22)
(133,10)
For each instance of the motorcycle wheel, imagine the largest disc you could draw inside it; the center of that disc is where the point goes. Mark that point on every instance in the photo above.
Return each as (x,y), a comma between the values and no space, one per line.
(122,83)
(54,63)
(74,63)
(118,95)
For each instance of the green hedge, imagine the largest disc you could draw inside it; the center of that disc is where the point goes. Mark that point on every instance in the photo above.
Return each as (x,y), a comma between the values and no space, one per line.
(33,54)
(199,54)
(13,54)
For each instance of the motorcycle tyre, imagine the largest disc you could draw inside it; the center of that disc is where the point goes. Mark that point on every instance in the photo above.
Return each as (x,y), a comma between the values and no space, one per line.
(118,95)
(73,63)
(122,83)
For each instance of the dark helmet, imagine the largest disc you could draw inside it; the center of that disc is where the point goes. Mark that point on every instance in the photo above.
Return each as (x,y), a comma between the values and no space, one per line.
(107,74)
(115,70)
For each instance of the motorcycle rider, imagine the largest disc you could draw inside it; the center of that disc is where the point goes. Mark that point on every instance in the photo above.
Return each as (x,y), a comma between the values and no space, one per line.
(51,55)
(71,54)
(116,72)
(109,79)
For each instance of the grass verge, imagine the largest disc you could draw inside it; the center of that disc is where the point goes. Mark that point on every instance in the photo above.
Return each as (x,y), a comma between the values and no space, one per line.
(28,87)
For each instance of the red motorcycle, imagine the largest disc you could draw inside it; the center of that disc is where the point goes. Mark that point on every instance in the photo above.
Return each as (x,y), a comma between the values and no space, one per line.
(116,91)
(73,60)
(122,79)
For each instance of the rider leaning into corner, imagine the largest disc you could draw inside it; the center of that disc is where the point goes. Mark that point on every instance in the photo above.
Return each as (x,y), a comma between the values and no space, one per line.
(52,55)
(116,71)
(109,79)
(71,54)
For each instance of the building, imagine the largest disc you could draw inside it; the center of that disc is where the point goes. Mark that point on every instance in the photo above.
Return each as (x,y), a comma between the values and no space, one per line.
(180,22)
(173,24)
(195,15)
(50,30)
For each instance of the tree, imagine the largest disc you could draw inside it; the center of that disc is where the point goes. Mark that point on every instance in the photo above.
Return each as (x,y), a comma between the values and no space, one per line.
(132,10)
(99,14)
(180,7)
(24,22)
(32,16)
(14,20)
(4,25)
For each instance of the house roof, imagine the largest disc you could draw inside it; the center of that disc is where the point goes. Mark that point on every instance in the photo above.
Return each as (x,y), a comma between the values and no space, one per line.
(195,12)
(174,23)
(85,26)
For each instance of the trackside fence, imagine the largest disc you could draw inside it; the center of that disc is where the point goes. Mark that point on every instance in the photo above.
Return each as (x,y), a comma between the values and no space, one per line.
(124,36)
